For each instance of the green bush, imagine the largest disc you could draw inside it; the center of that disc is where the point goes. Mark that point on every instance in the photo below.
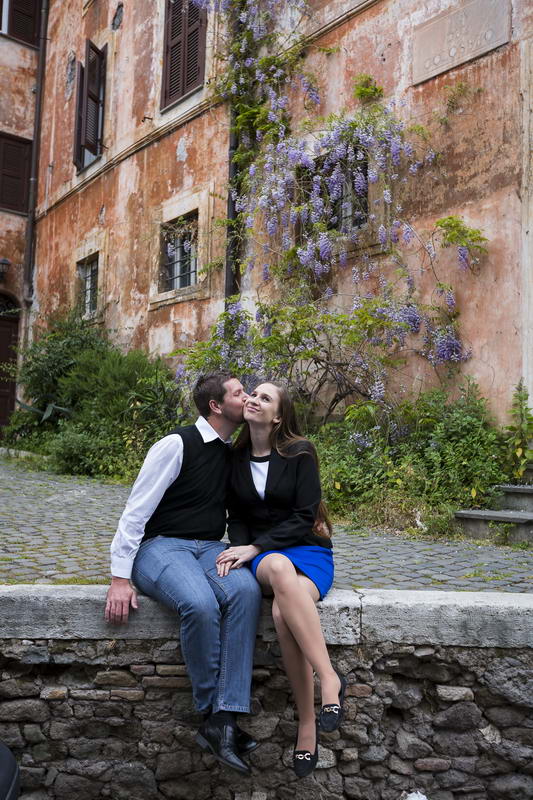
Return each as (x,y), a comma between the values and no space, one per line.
(54,353)
(118,403)
(413,464)
(100,383)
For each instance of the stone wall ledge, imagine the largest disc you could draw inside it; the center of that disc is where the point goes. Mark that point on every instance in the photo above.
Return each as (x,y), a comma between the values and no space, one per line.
(462,619)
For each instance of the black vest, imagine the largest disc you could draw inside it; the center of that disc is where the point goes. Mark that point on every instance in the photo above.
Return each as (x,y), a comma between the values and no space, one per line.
(194,505)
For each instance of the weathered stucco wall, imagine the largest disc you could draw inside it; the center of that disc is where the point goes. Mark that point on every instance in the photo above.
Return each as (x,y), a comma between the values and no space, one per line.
(116,205)
(18,66)
(155,167)
(439,700)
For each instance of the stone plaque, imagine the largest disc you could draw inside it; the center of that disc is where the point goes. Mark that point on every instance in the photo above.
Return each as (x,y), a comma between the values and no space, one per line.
(450,39)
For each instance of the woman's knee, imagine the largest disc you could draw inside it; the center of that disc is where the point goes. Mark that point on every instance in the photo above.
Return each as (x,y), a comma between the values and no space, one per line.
(279,570)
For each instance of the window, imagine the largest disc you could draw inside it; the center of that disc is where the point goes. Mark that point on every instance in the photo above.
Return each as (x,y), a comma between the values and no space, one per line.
(20,19)
(15,157)
(88,272)
(179,265)
(351,209)
(90,99)
(184,55)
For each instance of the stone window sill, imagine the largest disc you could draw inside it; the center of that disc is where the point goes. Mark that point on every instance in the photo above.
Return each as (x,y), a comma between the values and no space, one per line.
(196,292)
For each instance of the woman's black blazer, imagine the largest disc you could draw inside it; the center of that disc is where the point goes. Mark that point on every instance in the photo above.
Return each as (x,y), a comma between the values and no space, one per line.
(286,516)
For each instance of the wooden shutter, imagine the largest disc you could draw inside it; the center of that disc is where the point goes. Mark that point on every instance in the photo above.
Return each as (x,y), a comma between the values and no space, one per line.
(24,20)
(78,155)
(15,155)
(194,48)
(185,34)
(93,98)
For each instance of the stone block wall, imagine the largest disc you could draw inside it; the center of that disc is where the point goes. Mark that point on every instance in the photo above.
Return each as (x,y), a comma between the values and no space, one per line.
(111,716)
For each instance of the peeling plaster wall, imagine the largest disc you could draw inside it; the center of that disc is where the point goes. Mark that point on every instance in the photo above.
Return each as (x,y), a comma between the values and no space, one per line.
(124,194)
(481,174)
(18,67)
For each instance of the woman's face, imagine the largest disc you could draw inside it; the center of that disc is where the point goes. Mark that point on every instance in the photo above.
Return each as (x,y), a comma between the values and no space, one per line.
(262,405)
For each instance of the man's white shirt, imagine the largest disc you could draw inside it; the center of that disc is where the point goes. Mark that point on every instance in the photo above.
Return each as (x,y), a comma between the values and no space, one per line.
(161,467)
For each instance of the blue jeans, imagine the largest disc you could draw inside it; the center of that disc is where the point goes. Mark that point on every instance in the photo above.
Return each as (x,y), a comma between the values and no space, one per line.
(218,616)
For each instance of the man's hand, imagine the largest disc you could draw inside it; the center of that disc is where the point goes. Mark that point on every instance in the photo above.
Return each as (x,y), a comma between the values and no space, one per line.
(120,596)
(235,557)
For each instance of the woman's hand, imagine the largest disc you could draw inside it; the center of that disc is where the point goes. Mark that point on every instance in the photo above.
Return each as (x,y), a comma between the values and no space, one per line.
(235,557)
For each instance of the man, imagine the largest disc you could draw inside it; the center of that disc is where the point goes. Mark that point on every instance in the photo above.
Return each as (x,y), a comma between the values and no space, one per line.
(167,541)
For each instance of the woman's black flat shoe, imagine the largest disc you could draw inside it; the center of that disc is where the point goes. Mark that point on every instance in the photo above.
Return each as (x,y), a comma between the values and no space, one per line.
(331,714)
(303,761)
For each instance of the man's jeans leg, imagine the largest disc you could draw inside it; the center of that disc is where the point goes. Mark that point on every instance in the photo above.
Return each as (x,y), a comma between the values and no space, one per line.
(168,570)
(239,599)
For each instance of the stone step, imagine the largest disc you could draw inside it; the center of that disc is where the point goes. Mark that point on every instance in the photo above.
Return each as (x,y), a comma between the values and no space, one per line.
(514,498)
(491,524)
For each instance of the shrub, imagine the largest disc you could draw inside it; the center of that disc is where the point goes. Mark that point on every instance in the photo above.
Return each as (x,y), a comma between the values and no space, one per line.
(411,465)
(54,353)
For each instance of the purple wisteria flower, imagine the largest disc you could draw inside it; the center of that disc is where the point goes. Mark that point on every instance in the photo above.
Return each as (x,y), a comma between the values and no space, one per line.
(463,257)
(325,247)
(377,390)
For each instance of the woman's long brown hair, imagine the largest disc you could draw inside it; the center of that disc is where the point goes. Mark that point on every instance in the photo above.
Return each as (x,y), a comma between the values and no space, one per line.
(284,435)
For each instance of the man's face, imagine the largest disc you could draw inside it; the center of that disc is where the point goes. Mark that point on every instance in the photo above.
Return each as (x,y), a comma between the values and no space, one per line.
(233,402)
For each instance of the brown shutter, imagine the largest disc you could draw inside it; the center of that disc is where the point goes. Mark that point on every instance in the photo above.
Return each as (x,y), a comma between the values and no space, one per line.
(175,25)
(78,113)
(24,20)
(194,48)
(15,155)
(185,33)
(93,91)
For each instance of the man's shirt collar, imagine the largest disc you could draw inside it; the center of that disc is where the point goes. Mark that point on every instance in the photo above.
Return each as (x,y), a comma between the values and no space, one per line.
(208,433)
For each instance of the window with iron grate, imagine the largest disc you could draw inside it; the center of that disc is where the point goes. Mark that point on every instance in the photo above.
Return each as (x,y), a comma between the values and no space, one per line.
(88,274)
(20,19)
(179,253)
(184,54)
(349,211)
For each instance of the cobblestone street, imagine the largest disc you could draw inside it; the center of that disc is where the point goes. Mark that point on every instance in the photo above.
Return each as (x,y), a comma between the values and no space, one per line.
(58,528)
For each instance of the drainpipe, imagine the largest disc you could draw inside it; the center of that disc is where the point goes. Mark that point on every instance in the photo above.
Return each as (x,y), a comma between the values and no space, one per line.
(231,278)
(29,251)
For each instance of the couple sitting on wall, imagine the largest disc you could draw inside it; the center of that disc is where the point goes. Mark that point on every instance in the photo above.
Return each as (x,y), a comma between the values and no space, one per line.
(168,543)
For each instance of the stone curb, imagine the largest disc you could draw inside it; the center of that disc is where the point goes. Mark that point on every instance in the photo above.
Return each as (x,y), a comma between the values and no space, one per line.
(12,452)
(467,619)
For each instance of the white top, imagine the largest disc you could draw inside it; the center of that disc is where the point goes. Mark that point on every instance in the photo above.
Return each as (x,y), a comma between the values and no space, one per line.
(161,467)
(259,475)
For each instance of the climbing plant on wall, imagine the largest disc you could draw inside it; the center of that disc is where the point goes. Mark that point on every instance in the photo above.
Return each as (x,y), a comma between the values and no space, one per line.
(320,207)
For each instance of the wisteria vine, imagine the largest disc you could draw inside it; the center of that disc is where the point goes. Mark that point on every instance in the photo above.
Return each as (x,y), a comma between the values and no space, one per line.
(316,206)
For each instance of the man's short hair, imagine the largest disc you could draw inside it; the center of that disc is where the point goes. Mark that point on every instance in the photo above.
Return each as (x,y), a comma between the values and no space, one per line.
(210,387)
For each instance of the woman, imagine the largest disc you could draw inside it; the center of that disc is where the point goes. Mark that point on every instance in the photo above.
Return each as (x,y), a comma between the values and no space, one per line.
(274,500)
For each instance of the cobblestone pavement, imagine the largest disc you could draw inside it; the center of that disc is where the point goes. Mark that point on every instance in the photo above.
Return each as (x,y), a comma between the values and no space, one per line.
(58,528)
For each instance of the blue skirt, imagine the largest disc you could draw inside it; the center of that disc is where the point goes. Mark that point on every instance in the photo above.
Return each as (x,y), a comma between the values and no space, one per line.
(315,562)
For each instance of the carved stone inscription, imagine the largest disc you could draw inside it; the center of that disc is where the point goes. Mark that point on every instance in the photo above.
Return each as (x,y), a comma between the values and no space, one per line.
(459,35)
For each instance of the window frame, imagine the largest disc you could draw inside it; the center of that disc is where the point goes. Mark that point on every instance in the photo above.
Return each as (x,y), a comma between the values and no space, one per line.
(175,282)
(169,100)
(6,23)
(87,268)
(83,155)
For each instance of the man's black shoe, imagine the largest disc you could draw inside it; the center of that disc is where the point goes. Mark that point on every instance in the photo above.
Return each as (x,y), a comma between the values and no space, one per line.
(245,743)
(220,740)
